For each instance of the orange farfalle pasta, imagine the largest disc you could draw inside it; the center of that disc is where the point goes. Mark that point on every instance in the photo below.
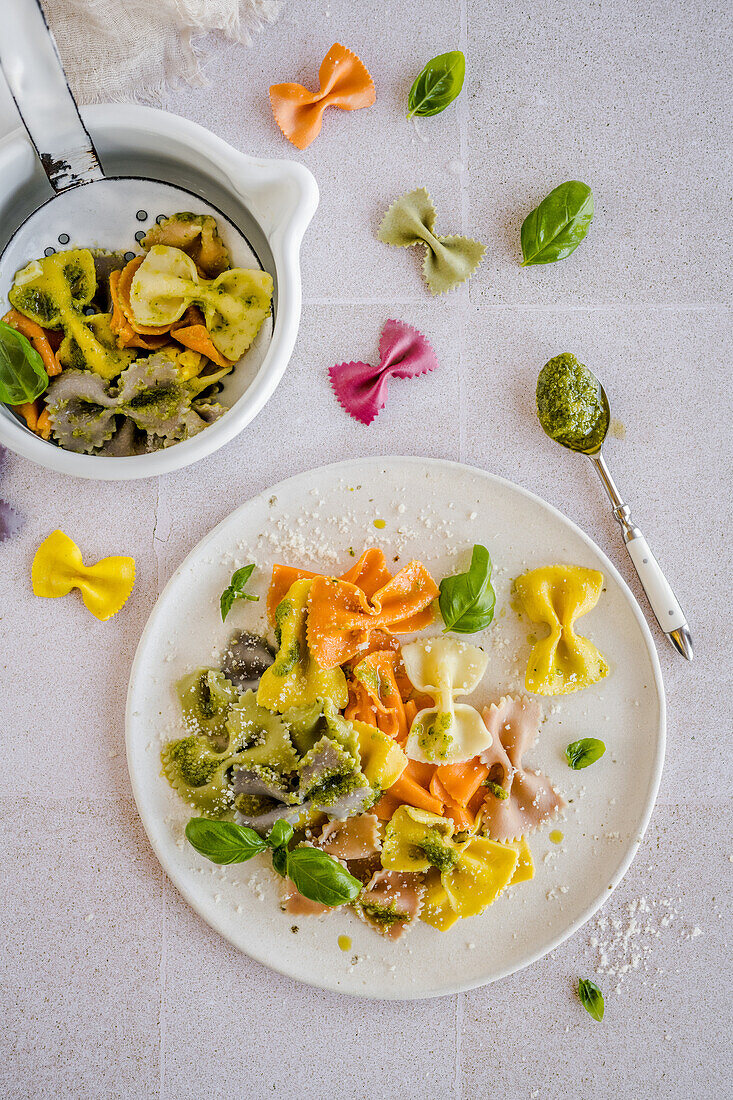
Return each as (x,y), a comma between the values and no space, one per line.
(462,781)
(126,335)
(345,83)
(370,573)
(412,788)
(341,618)
(195,335)
(375,693)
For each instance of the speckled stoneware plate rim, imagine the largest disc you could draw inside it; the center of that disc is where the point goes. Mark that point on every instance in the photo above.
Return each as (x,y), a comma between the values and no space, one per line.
(156,828)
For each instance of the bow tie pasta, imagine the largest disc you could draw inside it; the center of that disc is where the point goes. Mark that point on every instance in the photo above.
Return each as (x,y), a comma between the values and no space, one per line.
(563,661)
(449,732)
(235,303)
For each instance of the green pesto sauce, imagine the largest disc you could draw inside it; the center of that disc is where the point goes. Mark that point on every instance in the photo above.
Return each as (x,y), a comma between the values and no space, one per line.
(437,852)
(569,404)
(386,915)
(496,789)
(333,788)
(287,662)
(193,767)
(435,740)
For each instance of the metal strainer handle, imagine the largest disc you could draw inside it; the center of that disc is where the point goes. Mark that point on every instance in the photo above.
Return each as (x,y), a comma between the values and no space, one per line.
(30,60)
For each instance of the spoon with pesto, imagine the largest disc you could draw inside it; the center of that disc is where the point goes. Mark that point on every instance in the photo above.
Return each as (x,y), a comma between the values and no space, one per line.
(573,409)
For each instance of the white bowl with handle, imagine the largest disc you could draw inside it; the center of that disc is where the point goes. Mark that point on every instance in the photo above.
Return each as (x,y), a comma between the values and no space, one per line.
(269,202)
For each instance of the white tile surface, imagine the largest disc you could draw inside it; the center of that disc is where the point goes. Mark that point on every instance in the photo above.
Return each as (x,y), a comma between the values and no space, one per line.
(143,999)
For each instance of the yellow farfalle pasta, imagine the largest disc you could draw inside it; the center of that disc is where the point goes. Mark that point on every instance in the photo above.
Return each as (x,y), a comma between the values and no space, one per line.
(449,732)
(473,872)
(58,567)
(382,759)
(295,679)
(558,595)
(235,303)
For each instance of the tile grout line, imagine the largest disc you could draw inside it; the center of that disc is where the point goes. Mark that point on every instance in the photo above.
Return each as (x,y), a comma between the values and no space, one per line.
(162,980)
(529,307)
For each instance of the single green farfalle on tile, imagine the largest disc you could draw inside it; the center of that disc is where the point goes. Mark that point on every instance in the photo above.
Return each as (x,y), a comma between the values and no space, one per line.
(449,261)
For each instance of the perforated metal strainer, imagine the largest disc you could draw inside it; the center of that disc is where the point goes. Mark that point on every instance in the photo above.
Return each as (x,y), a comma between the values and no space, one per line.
(85,208)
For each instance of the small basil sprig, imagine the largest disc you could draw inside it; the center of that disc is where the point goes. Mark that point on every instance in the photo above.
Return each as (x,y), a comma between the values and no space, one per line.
(438,84)
(591,998)
(235,591)
(580,754)
(22,375)
(467,600)
(314,873)
(556,227)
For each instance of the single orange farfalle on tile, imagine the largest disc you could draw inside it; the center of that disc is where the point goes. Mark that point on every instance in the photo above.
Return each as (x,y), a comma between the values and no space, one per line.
(345,83)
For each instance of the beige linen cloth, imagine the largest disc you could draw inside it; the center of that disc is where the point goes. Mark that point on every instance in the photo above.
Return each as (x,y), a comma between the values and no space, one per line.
(134,49)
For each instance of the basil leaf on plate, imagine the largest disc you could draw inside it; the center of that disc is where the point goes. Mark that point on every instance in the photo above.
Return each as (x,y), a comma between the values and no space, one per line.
(235,591)
(591,998)
(280,834)
(557,226)
(580,754)
(223,841)
(467,600)
(319,877)
(22,375)
(280,861)
(438,84)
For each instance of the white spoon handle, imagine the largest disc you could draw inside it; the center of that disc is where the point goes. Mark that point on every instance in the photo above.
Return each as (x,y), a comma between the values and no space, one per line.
(662,599)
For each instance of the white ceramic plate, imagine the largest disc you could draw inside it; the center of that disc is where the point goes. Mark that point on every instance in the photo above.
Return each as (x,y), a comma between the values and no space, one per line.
(435,511)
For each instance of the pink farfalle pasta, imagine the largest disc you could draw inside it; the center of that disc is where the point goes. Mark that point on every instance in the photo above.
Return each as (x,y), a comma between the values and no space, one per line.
(530,799)
(362,389)
(391,902)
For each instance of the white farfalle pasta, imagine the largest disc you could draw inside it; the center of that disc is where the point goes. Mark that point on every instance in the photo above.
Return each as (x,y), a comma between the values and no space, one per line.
(235,303)
(449,732)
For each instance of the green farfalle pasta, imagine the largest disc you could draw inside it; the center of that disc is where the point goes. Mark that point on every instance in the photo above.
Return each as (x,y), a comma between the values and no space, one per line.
(448,261)
(206,696)
(199,773)
(263,737)
(235,303)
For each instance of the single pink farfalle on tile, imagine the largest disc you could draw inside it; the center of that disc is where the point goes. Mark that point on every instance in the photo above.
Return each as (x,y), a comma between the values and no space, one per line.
(362,389)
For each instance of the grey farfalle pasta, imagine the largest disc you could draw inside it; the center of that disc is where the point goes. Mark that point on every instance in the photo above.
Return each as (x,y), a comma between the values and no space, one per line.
(81,410)
(449,261)
(245,658)
(82,407)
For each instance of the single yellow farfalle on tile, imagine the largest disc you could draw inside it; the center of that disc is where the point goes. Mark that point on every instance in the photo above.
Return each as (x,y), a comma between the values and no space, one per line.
(58,567)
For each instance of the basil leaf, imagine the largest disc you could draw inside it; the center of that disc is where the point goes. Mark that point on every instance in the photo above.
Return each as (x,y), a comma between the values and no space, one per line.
(280,861)
(235,591)
(557,226)
(591,998)
(280,834)
(223,841)
(438,84)
(22,375)
(319,877)
(467,600)
(580,754)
